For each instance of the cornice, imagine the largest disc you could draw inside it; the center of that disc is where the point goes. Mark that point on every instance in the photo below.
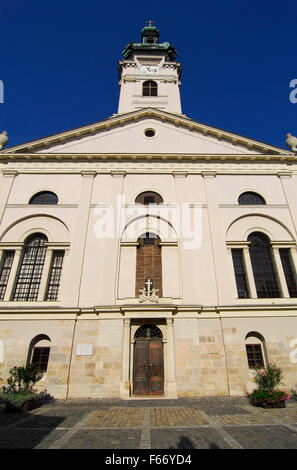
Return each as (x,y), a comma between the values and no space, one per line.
(17,312)
(120,119)
(162,157)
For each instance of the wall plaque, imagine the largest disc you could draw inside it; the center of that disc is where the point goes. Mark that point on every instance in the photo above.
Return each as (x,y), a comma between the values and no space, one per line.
(84,349)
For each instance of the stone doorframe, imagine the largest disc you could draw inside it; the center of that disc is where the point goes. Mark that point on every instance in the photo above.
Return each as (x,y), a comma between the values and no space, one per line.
(131,324)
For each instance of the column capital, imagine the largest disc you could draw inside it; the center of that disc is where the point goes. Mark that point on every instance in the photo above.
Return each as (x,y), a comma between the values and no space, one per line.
(10,173)
(88,173)
(284,174)
(180,174)
(118,173)
(127,322)
(169,321)
(208,174)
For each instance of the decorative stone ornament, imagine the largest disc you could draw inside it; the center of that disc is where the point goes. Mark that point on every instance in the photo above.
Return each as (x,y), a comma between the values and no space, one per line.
(3,139)
(148,293)
(291,142)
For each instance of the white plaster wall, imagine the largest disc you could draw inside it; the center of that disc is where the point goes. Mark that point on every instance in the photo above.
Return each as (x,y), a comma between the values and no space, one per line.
(229,187)
(26,185)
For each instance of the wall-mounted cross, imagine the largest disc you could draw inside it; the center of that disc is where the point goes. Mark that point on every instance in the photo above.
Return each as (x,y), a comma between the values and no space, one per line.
(149,285)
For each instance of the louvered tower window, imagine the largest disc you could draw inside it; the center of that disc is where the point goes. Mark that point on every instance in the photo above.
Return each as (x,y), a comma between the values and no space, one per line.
(150,88)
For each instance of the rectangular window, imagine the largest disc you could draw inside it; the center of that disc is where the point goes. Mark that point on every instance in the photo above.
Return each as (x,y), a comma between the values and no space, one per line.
(7,260)
(40,358)
(240,273)
(289,270)
(55,276)
(254,355)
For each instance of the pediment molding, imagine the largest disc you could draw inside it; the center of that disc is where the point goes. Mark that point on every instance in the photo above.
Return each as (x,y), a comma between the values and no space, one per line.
(164,116)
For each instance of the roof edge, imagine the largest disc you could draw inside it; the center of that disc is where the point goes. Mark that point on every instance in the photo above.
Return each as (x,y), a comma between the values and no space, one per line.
(178,119)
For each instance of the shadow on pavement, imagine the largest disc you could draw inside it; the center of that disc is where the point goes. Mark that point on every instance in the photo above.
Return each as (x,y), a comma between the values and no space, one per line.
(26,430)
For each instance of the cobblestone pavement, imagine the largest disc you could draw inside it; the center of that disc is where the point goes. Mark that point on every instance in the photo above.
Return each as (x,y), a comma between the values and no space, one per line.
(202,423)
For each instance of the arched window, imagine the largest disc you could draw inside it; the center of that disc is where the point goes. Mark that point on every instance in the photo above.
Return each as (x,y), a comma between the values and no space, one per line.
(30,269)
(250,198)
(149,197)
(264,271)
(149,88)
(149,264)
(148,331)
(44,197)
(255,350)
(39,351)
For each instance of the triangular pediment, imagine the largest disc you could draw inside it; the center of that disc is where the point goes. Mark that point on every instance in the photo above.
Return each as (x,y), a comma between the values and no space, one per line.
(124,134)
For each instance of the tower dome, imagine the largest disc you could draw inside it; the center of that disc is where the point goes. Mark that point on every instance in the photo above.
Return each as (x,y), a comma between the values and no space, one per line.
(150,35)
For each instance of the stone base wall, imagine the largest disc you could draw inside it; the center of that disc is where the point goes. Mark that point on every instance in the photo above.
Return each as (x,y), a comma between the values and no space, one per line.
(96,375)
(17,336)
(200,358)
(278,333)
(210,356)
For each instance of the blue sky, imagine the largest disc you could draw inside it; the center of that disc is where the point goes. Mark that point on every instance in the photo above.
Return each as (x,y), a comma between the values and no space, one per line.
(59,62)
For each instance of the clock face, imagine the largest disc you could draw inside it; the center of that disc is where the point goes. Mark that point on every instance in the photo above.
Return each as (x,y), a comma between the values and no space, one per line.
(149,69)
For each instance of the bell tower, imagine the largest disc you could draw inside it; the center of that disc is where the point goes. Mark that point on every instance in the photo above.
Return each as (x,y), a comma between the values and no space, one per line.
(149,74)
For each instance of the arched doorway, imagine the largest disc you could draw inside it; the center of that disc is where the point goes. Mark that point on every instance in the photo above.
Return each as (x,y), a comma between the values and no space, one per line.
(148,370)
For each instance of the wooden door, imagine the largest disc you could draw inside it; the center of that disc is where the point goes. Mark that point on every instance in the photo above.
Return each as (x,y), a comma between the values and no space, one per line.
(148,377)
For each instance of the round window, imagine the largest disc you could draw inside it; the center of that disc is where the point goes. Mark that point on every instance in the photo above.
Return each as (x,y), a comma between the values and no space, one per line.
(149,132)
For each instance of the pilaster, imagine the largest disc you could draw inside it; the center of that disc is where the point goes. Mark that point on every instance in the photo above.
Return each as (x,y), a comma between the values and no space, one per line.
(171,378)
(71,292)
(125,383)
(218,242)
(6,182)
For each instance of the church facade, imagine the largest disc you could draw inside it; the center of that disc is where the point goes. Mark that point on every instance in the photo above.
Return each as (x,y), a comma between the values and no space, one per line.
(148,255)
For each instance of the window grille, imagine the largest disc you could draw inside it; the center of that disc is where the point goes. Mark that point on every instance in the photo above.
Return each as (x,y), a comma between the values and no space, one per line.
(254,355)
(240,273)
(263,266)
(7,261)
(30,270)
(45,197)
(40,357)
(149,197)
(148,331)
(250,198)
(55,275)
(149,238)
(148,200)
(289,270)
(150,88)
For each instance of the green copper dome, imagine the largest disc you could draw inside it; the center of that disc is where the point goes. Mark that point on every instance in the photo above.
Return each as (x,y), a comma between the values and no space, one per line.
(150,45)
(150,35)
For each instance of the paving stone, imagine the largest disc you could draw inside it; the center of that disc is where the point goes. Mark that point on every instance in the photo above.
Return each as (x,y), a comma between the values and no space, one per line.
(104,439)
(176,416)
(117,417)
(18,439)
(264,437)
(203,423)
(186,438)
